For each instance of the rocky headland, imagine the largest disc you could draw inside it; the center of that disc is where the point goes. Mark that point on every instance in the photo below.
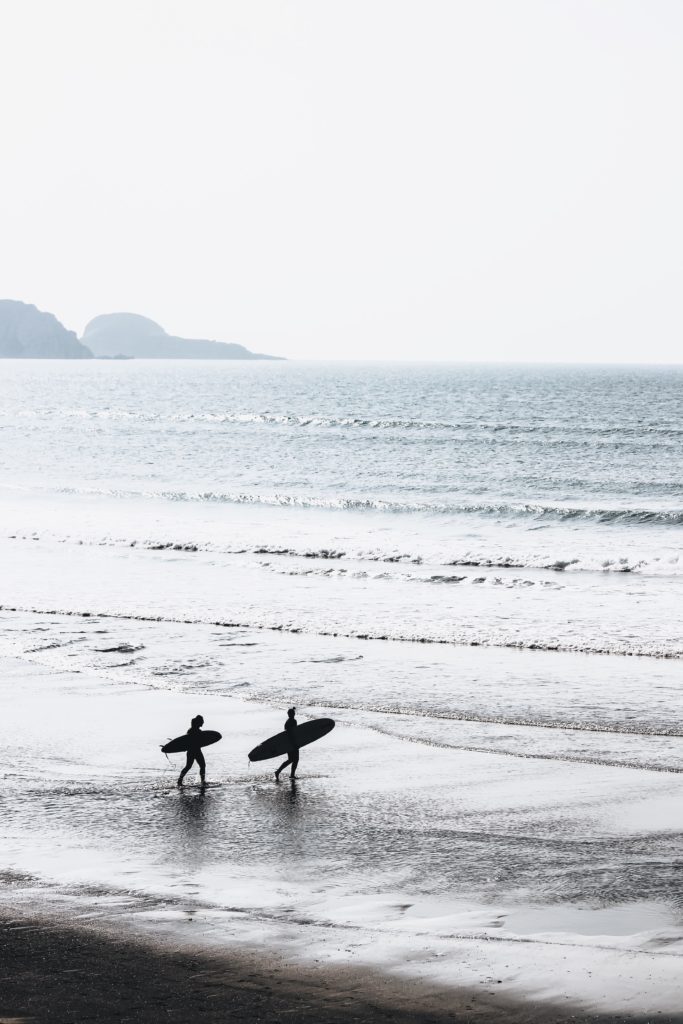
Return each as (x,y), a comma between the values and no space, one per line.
(27,333)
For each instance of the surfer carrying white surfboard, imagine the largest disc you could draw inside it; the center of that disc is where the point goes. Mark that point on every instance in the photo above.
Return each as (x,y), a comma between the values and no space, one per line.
(293,759)
(194,750)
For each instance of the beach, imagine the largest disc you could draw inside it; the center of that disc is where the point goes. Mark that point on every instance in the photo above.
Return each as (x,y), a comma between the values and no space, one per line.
(447,869)
(480,589)
(56,973)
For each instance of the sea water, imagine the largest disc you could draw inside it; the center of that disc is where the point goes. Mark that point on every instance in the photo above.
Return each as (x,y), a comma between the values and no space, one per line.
(539,507)
(476,570)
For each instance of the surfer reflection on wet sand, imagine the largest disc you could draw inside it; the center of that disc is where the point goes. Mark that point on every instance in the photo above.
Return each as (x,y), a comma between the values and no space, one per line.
(194,751)
(293,759)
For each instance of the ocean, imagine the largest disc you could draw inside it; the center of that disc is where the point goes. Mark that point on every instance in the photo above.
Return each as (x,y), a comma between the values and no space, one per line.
(476,570)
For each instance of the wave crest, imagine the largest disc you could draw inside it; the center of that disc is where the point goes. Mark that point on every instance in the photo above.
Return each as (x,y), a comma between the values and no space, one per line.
(593,431)
(505,510)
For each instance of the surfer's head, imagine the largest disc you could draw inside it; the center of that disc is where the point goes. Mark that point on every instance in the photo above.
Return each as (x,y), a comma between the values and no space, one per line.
(291,712)
(198,721)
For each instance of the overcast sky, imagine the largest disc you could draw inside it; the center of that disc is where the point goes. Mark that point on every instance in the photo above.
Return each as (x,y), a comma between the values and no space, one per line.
(467,179)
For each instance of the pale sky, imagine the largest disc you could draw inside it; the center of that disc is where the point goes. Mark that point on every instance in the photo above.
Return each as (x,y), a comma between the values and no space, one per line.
(433,179)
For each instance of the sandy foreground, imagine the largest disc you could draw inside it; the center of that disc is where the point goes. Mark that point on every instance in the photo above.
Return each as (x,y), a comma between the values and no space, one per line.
(395,881)
(55,973)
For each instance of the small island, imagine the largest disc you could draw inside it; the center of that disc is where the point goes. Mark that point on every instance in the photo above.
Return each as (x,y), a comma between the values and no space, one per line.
(129,334)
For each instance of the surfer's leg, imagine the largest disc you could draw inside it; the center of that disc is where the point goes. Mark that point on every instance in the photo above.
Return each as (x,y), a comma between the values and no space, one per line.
(188,764)
(199,758)
(282,766)
(294,761)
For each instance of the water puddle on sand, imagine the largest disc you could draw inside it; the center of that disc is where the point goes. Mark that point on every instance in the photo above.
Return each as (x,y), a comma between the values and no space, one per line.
(624,919)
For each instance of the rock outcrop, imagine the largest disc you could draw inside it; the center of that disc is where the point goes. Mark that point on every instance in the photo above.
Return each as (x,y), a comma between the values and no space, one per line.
(128,334)
(26,333)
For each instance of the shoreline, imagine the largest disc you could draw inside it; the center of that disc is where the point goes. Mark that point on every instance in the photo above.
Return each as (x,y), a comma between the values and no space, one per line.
(462,885)
(54,972)
(454,643)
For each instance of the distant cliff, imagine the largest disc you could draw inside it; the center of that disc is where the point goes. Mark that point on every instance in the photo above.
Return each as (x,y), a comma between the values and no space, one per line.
(26,333)
(127,334)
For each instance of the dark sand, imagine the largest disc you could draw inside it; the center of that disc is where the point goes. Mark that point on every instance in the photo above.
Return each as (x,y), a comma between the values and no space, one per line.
(52,973)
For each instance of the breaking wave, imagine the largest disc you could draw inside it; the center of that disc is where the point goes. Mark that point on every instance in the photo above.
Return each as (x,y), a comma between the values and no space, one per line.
(537,512)
(395,558)
(458,638)
(596,431)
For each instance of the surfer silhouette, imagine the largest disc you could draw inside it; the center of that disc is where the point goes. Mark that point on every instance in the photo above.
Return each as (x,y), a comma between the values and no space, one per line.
(194,751)
(293,759)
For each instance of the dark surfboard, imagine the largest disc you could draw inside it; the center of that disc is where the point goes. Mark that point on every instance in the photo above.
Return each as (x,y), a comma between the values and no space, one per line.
(281,744)
(182,743)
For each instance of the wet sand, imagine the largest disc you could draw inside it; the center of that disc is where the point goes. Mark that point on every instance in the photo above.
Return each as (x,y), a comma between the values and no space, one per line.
(428,878)
(54,973)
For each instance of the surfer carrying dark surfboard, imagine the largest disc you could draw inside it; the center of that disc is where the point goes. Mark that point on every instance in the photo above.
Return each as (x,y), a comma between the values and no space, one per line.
(194,751)
(293,759)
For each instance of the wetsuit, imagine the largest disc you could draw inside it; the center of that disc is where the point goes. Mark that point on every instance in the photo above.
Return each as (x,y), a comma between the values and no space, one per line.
(194,753)
(290,726)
